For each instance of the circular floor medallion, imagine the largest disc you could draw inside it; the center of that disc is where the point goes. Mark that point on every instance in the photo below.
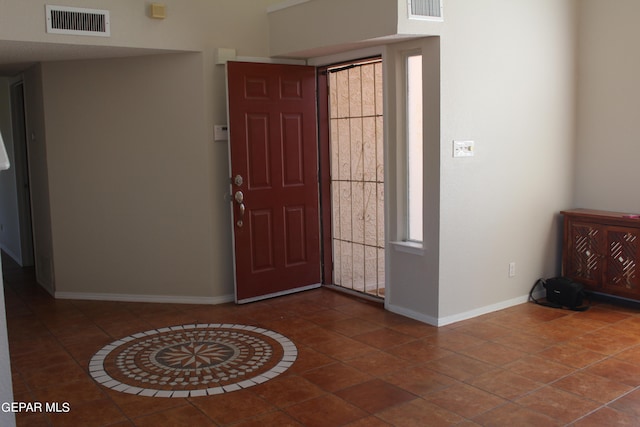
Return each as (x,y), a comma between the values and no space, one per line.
(192,360)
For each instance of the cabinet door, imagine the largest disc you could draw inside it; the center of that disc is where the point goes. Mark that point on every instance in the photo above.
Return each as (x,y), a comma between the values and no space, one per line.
(623,245)
(585,249)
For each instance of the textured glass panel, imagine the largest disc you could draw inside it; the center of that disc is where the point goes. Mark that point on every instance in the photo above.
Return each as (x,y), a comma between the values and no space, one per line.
(355,92)
(344,150)
(357,173)
(357,211)
(356,148)
(342,81)
(368,90)
(369,148)
(358,267)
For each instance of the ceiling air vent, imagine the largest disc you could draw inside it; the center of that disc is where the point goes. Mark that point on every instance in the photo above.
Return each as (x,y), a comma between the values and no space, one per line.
(78,21)
(425,9)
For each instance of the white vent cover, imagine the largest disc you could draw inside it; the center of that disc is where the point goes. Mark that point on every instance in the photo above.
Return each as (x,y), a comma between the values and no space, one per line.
(78,21)
(425,9)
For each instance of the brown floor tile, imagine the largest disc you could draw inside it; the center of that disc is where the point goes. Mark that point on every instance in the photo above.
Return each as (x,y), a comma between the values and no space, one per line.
(232,407)
(608,417)
(505,384)
(524,342)
(555,332)
(419,413)
(592,387)
(605,314)
(465,400)
(29,419)
(413,328)
(95,413)
(492,353)
(379,363)
(460,367)
(175,417)
(375,396)
(278,418)
(558,404)
(336,376)
(571,355)
(81,391)
(419,351)
(539,369)
(351,326)
(483,330)
(629,404)
(137,406)
(420,380)
(453,340)
(514,415)
(54,375)
(383,338)
(607,341)
(325,411)
(287,390)
(631,355)
(630,325)
(308,359)
(315,335)
(370,421)
(343,348)
(617,370)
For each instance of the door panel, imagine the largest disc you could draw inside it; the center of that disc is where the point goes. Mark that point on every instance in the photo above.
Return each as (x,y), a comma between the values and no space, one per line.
(273,146)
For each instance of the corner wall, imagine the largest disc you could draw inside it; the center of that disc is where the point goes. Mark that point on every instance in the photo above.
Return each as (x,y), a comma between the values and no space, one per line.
(608,103)
(508,73)
(129,157)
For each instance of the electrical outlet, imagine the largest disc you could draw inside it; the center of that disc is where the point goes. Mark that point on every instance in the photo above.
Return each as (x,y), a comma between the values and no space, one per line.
(512,269)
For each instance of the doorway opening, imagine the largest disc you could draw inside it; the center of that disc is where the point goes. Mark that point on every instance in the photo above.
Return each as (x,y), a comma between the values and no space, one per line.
(353,147)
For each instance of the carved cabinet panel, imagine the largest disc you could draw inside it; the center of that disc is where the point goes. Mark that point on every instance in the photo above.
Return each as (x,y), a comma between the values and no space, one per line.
(602,251)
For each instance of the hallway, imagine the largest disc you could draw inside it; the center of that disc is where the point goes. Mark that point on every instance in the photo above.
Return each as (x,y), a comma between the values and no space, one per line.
(356,364)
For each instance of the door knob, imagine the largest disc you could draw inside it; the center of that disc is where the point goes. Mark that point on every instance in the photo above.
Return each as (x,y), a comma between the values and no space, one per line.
(239,196)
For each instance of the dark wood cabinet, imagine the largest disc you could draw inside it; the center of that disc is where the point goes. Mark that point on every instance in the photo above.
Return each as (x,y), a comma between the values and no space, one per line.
(602,251)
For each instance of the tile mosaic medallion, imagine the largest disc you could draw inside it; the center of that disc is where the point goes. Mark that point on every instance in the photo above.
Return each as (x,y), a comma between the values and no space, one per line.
(192,360)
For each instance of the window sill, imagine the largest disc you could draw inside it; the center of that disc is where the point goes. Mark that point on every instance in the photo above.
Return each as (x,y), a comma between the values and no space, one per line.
(414,248)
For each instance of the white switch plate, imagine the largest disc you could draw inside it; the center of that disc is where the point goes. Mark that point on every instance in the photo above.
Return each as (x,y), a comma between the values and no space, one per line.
(463,148)
(220,133)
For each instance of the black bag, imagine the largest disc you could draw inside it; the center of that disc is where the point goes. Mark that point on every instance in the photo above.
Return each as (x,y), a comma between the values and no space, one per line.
(561,292)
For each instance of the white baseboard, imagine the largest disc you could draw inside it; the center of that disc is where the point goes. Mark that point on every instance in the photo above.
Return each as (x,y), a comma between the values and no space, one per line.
(412,314)
(170,299)
(447,320)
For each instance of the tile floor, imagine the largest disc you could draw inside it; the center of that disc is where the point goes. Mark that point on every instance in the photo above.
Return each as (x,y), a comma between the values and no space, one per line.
(357,364)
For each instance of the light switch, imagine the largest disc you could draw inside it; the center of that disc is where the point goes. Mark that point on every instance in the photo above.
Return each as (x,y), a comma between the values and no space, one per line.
(463,148)
(220,132)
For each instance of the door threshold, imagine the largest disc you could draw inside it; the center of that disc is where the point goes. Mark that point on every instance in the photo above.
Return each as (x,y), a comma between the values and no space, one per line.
(356,294)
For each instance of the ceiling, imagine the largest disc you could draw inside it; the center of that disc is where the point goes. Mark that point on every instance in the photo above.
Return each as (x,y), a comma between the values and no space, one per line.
(16,56)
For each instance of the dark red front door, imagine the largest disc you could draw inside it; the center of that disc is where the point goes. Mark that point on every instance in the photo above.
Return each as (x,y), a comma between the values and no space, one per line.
(274,164)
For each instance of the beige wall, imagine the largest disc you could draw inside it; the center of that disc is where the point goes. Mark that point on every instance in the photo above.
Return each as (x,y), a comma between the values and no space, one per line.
(608,103)
(130,188)
(508,83)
